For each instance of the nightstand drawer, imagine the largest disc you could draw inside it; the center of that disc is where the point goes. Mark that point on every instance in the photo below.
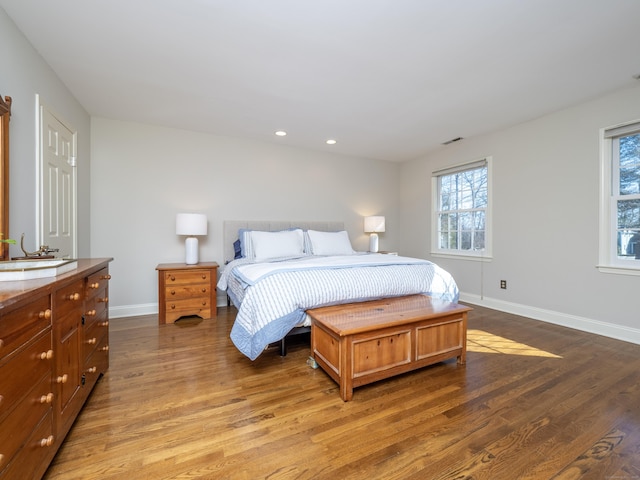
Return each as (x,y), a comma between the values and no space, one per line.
(186,277)
(179,292)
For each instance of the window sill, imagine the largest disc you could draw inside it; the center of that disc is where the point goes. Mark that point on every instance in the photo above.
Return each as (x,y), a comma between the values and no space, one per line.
(617,270)
(462,256)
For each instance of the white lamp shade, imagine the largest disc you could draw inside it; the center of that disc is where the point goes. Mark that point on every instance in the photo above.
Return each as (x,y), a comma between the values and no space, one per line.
(191,224)
(374,224)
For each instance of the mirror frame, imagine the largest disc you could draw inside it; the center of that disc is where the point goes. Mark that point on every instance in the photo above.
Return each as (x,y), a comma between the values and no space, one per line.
(5,114)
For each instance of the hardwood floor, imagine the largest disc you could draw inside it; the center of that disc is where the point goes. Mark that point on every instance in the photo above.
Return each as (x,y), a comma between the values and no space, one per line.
(534,401)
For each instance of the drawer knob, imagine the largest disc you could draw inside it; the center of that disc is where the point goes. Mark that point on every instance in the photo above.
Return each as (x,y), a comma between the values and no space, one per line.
(95,285)
(92,341)
(91,313)
(47,442)
(204,276)
(92,370)
(105,277)
(104,324)
(1,343)
(1,399)
(103,300)
(173,307)
(48,355)
(173,278)
(73,296)
(46,314)
(105,348)
(48,398)
(204,303)
(62,378)
(173,292)
(204,290)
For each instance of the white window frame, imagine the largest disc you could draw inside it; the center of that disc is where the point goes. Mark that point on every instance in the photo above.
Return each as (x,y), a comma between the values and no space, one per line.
(477,255)
(608,261)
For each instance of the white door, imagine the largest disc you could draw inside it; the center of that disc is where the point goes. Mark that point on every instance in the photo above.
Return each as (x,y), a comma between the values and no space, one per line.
(57,216)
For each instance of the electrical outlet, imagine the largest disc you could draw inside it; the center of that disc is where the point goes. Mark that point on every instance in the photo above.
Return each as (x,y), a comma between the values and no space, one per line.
(503,284)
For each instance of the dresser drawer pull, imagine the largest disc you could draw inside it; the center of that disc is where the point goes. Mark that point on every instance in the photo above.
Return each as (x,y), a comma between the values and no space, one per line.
(1,399)
(92,341)
(204,276)
(48,398)
(46,314)
(95,286)
(73,296)
(173,292)
(105,277)
(1,343)
(104,324)
(173,307)
(91,313)
(204,303)
(92,370)
(48,355)
(173,278)
(204,290)
(47,442)
(105,348)
(62,379)
(104,300)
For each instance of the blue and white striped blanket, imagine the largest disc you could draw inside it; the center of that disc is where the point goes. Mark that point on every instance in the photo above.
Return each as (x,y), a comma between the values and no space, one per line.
(272,297)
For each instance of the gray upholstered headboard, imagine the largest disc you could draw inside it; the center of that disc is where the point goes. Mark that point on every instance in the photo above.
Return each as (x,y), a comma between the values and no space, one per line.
(230,230)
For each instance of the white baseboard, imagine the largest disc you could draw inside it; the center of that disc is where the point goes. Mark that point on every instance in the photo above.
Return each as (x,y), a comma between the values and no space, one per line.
(133,310)
(610,330)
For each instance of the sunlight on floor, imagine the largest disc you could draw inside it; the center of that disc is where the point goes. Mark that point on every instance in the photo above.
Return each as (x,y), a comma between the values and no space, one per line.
(483,342)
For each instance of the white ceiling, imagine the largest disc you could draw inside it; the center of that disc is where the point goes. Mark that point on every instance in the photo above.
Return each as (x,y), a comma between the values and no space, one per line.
(388,79)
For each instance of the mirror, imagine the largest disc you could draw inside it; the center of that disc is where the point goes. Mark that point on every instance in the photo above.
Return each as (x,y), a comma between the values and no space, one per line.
(5,113)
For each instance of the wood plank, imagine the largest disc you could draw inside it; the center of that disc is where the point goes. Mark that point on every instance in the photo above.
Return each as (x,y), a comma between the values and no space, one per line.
(533,401)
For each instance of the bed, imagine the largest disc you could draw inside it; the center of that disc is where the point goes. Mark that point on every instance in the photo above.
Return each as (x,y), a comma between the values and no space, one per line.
(275,271)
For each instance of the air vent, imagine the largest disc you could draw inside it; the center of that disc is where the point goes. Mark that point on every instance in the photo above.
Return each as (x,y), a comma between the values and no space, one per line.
(453,140)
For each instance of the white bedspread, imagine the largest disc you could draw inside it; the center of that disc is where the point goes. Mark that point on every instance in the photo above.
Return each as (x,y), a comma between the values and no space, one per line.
(275,295)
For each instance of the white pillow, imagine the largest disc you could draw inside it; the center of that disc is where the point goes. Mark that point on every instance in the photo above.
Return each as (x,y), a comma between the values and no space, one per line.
(266,245)
(330,243)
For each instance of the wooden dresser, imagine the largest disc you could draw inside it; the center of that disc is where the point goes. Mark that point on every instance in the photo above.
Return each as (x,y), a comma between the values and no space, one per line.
(54,345)
(186,290)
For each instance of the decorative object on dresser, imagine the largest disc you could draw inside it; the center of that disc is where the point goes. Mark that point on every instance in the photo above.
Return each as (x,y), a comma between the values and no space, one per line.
(186,290)
(374,225)
(54,346)
(191,224)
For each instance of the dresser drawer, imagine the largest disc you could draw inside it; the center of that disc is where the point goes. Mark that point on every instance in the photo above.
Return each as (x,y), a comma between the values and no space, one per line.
(22,324)
(97,283)
(68,298)
(187,277)
(200,307)
(32,459)
(18,374)
(25,417)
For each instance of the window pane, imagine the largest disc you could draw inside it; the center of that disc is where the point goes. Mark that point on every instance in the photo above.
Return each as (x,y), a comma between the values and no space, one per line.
(628,214)
(630,165)
(478,240)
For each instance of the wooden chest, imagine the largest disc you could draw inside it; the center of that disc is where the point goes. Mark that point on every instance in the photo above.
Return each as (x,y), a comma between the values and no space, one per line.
(360,343)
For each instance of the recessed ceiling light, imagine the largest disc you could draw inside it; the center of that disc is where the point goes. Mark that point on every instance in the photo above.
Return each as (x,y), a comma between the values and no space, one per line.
(331,142)
(281,133)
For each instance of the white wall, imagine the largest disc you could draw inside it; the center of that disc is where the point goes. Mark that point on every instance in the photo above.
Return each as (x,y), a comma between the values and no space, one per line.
(23,75)
(545,220)
(143,175)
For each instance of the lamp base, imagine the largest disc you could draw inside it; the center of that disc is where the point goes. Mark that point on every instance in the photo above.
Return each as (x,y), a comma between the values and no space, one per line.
(191,250)
(373,243)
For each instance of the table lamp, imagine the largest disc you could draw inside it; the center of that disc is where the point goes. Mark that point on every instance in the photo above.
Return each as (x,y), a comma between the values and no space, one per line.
(191,224)
(373,225)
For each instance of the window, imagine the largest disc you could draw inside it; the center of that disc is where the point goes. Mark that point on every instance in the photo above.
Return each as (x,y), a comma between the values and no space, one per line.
(620,199)
(461,210)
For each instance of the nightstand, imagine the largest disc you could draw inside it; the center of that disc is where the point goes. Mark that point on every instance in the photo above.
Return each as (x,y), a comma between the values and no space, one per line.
(186,290)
